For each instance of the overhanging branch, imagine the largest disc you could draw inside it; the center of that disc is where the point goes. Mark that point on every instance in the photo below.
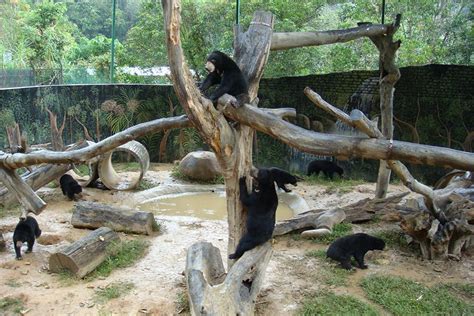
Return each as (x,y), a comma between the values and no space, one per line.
(289,40)
(18,160)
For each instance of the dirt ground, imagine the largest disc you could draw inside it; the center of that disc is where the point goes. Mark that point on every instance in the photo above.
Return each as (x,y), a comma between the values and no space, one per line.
(158,277)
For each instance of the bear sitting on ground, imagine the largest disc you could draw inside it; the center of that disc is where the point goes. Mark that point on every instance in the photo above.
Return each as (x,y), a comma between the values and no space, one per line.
(261,206)
(25,231)
(326,166)
(356,245)
(282,177)
(70,186)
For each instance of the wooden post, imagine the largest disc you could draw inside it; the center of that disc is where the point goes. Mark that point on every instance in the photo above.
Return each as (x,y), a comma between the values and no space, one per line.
(84,255)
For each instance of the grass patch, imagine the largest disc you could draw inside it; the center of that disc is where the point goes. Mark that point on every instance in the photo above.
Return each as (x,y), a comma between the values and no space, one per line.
(126,166)
(156,226)
(393,239)
(145,185)
(332,304)
(10,305)
(336,183)
(318,254)
(334,275)
(81,170)
(177,174)
(111,291)
(10,211)
(12,283)
(466,290)
(66,277)
(405,297)
(338,230)
(121,255)
(182,303)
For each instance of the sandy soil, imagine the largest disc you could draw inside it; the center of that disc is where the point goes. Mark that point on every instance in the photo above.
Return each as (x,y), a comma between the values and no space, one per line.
(158,277)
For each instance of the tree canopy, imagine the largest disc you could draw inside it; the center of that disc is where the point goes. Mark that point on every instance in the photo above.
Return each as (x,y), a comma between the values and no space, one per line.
(68,34)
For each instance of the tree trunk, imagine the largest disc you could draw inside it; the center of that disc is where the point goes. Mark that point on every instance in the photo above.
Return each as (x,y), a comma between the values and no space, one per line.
(389,75)
(56,133)
(92,215)
(84,255)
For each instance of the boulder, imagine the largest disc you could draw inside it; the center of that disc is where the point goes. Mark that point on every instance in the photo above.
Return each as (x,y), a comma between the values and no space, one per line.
(200,165)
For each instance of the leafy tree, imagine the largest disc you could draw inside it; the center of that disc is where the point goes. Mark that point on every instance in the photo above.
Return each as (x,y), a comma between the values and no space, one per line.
(50,36)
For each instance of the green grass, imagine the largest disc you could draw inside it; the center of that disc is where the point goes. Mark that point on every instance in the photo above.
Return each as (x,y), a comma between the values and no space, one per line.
(12,283)
(466,290)
(126,166)
(332,304)
(111,291)
(338,230)
(10,211)
(145,185)
(335,184)
(318,254)
(81,170)
(405,297)
(330,273)
(10,305)
(156,226)
(121,255)
(177,174)
(393,239)
(182,303)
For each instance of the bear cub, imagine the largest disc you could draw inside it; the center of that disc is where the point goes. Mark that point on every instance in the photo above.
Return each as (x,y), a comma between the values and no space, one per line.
(70,186)
(326,166)
(25,231)
(356,245)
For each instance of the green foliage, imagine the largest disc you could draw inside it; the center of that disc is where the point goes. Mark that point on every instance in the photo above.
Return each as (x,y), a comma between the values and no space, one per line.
(113,290)
(121,255)
(393,239)
(10,304)
(405,297)
(12,283)
(338,230)
(328,303)
(337,184)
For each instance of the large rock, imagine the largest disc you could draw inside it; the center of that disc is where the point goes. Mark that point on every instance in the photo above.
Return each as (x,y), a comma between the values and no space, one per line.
(200,165)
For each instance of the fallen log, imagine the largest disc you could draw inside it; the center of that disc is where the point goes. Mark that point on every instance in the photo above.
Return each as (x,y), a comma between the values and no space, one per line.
(361,211)
(93,215)
(84,255)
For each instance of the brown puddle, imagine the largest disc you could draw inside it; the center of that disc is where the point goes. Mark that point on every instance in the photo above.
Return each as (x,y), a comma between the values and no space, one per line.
(205,205)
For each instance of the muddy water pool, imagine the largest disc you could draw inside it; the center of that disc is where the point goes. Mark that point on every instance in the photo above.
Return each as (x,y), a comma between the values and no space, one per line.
(204,205)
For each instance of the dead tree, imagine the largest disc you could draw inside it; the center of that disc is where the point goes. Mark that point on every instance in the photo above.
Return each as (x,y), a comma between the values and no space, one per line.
(56,132)
(444,221)
(210,291)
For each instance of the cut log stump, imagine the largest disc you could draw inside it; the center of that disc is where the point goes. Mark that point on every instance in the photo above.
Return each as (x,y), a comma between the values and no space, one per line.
(84,255)
(93,215)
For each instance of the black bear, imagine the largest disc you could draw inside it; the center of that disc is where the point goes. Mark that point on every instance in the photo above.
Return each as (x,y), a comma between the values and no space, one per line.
(356,245)
(225,72)
(281,177)
(326,166)
(69,186)
(261,206)
(25,231)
